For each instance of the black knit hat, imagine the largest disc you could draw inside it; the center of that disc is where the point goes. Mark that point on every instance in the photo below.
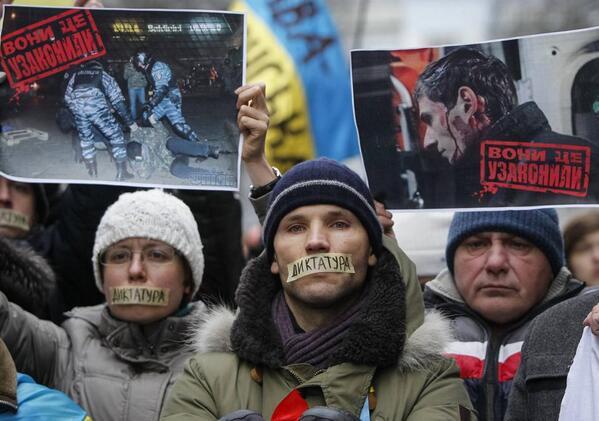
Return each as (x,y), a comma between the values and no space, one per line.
(321,182)
(539,226)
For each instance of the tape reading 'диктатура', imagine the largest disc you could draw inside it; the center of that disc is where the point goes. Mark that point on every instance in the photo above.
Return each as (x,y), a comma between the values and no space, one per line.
(139,295)
(319,263)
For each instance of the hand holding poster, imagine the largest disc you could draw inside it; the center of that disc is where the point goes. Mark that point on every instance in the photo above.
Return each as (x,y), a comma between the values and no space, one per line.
(499,124)
(110,96)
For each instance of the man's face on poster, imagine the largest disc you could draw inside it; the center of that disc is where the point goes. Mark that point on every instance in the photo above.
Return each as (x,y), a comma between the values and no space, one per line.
(451,131)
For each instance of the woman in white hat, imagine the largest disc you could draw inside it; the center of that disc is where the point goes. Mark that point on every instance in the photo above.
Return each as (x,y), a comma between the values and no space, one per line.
(118,360)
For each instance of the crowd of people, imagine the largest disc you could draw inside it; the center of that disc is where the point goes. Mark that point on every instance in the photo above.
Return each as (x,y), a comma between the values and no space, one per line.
(127,306)
(305,336)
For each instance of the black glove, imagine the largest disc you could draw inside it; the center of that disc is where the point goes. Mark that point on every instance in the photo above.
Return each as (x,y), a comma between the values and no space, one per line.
(242,415)
(123,112)
(145,116)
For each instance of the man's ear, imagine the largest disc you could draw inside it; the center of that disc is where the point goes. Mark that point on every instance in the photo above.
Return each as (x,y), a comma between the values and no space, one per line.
(274,267)
(467,102)
(372,259)
(472,108)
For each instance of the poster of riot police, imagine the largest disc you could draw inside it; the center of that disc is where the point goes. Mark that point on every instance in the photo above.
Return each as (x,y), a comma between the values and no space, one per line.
(121,96)
(510,123)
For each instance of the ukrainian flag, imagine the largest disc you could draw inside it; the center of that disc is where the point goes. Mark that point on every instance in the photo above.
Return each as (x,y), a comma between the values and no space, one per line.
(292,46)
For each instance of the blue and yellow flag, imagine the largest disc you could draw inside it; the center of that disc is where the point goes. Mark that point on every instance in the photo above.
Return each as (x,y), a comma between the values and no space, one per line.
(293,47)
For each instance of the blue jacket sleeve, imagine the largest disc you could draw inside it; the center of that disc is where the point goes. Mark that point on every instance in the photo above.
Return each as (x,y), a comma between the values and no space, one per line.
(39,402)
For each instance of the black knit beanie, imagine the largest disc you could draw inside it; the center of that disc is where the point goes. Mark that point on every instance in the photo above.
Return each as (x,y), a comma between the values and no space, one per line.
(539,226)
(321,182)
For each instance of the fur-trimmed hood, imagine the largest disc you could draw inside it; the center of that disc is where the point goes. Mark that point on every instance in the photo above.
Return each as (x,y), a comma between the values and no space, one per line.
(25,277)
(377,337)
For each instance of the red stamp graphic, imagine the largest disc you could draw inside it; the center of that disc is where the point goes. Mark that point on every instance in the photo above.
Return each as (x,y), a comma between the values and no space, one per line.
(50,46)
(539,167)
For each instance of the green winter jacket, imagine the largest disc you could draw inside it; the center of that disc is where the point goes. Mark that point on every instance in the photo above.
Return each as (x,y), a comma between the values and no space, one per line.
(240,363)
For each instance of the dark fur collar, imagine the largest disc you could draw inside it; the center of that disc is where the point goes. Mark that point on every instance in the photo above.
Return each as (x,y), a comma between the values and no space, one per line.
(377,336)
(26,278)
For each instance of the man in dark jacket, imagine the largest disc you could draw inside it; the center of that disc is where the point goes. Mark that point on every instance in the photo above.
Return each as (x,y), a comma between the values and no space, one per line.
(467,97)
(548,351)
(504,268)
(311,331)
(24,273)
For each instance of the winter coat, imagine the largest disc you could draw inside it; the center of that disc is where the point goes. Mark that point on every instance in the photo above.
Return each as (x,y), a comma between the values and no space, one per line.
(26,277)
(525,123)
(8,381)
(548,351)
(489,359)
(114,369)
(43,271)
(134,78)
(240,364)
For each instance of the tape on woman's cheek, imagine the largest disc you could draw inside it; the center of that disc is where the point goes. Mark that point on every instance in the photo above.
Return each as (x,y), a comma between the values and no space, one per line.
(148,296)
(320,263)
(12,219)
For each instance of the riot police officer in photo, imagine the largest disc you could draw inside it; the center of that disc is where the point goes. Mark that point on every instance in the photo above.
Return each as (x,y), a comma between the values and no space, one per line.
(91,93)
(166,102)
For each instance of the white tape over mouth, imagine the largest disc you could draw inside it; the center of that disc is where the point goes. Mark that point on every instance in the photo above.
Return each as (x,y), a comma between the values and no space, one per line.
(139,295)
(11,219)
(320,263)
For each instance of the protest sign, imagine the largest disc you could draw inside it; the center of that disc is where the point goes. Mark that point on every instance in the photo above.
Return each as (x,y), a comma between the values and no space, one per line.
(121,96)
(509,123)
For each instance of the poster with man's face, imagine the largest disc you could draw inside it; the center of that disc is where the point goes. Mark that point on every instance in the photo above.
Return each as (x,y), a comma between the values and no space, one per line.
(510,123)
(121,96)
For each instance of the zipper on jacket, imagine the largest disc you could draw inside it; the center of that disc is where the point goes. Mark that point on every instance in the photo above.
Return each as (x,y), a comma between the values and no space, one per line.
(295,376)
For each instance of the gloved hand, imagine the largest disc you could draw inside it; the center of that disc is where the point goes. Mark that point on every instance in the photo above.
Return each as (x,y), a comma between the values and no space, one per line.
(323,413)
(243,415)
(148,119)
(133,127)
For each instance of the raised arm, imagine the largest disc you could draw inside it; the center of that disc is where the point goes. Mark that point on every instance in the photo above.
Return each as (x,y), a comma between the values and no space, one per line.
(39,347)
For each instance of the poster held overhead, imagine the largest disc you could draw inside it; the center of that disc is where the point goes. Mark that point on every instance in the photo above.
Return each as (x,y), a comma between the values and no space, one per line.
(95,95)
(512,123)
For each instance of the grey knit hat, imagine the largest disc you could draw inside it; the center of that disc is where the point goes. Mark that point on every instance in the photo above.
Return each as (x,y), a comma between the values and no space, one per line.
(151,214)
(539,226)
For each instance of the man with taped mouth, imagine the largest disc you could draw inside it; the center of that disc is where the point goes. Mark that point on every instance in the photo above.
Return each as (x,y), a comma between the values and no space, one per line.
(27,276)
(330,326)
(118,360)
